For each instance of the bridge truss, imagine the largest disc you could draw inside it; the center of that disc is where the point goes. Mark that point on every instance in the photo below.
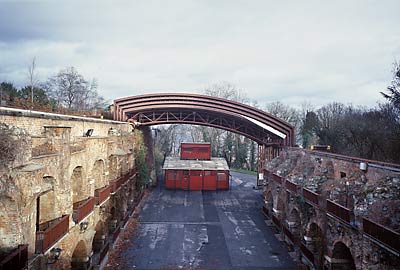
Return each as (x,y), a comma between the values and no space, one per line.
(268,131)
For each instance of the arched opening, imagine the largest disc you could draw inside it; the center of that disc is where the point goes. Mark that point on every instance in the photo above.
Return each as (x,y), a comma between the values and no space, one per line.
(46,203)
(112,220)
(79,187)
(99,242)
(294,223)
(98,174)
(314,241)
(342,258)
(80,259)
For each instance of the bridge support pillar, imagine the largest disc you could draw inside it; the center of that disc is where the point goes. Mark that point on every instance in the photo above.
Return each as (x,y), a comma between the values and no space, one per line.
(261,165)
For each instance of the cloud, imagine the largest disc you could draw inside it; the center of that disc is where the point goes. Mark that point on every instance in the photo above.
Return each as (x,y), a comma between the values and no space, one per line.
(291,51)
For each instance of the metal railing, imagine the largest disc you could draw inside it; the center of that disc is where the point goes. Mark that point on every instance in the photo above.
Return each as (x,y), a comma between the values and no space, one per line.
(82,209)
(116,184)
(311,196)
(307,253)
(277,178)
(288,233)
(102,194)
(338,211)
(291,186)
(276,221)
(265,211)
(116,232)
(382,234)
(17,259)
(103,252)
(50,232)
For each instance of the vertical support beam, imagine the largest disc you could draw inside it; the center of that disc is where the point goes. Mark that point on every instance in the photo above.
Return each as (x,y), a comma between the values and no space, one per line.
(260,165)
(37,213)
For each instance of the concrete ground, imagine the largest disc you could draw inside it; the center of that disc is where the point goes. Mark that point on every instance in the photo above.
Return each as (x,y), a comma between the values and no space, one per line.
(206,230)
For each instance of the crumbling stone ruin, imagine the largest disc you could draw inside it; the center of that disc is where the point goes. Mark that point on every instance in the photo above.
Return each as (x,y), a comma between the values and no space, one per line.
(64,195)
(333,212)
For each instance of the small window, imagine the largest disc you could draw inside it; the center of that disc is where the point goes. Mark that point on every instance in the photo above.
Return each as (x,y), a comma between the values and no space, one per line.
(342,174)
(188,150)
(203,150)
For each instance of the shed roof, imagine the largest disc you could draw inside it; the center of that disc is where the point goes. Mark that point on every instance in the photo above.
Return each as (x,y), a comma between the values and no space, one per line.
(175,163)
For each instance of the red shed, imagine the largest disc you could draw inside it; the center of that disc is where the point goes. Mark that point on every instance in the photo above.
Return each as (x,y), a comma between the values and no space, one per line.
(196,151)
(210,174)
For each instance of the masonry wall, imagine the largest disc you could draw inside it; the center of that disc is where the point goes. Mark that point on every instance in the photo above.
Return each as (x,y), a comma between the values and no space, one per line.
(334,240)
(54,168)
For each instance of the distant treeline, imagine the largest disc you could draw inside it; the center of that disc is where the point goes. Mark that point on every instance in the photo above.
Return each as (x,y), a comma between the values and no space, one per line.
(371,133)
(66,92)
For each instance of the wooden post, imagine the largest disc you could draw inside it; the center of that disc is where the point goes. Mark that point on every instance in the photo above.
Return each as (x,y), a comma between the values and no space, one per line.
(260,165)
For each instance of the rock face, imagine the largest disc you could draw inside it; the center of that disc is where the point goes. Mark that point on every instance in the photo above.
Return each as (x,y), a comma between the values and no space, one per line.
(61,189)
(344,196)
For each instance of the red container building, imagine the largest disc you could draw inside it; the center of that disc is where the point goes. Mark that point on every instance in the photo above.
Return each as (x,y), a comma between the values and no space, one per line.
(196,151)
(196,170)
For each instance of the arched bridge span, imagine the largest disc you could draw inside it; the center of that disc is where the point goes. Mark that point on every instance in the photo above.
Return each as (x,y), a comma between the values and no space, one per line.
(179,108)
(267,130)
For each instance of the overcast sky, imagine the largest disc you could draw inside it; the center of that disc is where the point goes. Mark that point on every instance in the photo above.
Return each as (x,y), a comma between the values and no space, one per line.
(291,51)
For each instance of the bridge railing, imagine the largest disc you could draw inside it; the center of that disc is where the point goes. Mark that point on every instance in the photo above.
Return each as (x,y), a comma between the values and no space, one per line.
(17,259)
(291,186)
(50,232)
(102,194)
(311,196)
(382,234)
(338,211)
(307,253)
(82,209)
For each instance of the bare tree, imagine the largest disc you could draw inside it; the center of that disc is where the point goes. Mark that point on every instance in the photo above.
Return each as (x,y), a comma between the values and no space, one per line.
(32,77)
(70,89)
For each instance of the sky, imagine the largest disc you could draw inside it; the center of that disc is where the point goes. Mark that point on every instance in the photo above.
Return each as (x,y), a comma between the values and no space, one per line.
(289,51)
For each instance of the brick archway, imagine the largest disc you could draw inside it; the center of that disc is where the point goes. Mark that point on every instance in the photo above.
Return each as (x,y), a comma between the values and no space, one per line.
(80,259)
(342,259)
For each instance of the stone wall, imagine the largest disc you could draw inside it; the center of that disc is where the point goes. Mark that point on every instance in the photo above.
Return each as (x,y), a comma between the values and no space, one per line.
(321,202)
(55,169)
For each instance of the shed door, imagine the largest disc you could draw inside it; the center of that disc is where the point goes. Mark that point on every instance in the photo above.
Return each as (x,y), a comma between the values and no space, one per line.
(210,180)
(196,180)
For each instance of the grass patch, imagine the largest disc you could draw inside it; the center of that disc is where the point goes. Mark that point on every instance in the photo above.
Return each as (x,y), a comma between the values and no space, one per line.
(244,171)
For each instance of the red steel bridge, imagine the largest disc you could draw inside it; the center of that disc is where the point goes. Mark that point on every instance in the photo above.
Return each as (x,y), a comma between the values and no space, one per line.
(268,131)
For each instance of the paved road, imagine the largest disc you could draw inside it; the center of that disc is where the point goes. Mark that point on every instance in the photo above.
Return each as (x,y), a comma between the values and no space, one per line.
(206,231)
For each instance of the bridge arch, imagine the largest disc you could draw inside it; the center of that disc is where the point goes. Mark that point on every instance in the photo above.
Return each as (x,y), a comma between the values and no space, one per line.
(180,108)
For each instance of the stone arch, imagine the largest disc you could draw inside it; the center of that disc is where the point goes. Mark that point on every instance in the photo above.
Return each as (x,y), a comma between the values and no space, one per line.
(46,201)
(79,185)
(314,240)
(112,220)
(99,241)
(99,236)
(80,257)
(342,259)
(294,222)
(98,174)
